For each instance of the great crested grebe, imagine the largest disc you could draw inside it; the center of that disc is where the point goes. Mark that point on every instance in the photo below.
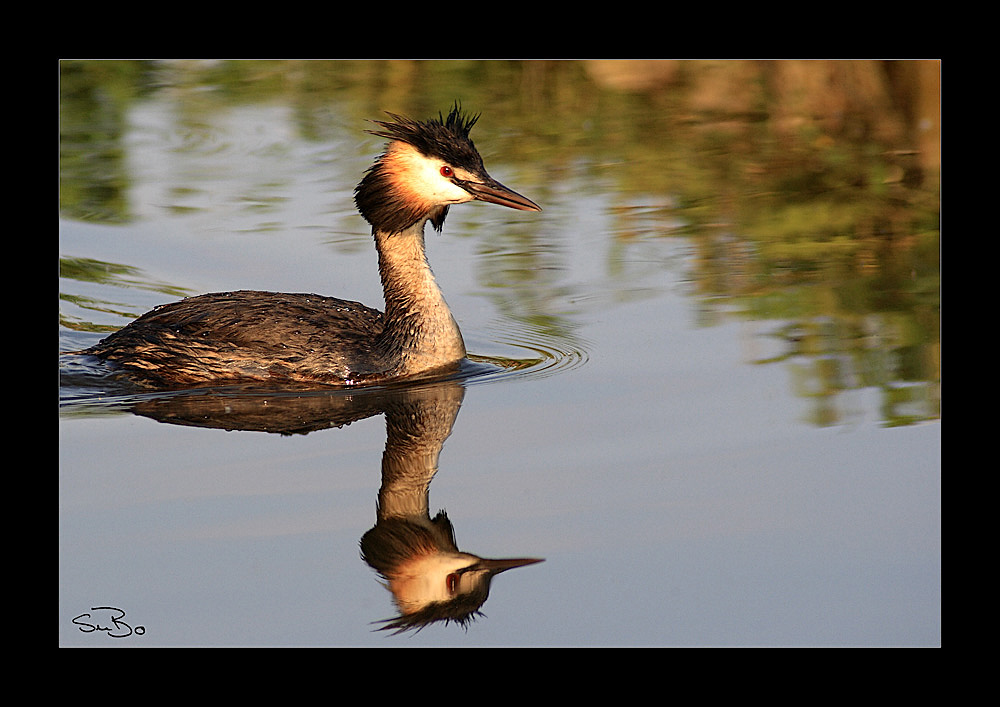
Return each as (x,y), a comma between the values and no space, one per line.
(267,336)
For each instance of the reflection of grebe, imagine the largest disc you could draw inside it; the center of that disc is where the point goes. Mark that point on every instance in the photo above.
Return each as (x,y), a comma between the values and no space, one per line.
(241,336)
(430,578)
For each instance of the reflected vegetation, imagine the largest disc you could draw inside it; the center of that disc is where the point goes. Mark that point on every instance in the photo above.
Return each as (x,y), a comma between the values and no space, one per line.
(806,194)
(112,275)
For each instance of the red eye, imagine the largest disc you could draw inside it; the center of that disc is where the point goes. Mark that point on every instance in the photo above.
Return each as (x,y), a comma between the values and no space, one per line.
(447,171)
(452,579)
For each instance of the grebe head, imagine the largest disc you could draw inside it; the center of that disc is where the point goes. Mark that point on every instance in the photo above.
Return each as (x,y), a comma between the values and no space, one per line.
(444,586)
(425,168)
(430,579)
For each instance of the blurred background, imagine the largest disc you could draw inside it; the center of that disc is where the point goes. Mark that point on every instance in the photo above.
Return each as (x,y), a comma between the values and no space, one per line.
(716,408)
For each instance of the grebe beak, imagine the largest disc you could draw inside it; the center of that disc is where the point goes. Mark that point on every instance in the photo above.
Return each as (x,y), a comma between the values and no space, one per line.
(495,567)
(496,193)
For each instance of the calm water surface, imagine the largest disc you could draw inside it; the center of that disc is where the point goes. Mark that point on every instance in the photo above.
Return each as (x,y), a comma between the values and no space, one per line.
(706,386)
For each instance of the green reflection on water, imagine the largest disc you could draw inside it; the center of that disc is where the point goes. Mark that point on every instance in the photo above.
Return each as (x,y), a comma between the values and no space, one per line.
(808,191)
(112,274)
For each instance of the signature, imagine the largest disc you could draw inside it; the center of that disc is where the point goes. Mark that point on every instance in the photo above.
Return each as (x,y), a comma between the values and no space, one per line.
(112,622)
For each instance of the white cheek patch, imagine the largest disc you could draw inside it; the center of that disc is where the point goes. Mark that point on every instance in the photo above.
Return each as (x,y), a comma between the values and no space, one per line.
(423,178)
(430,184)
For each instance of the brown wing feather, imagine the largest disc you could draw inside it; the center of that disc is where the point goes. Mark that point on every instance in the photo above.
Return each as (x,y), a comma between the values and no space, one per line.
(227,335)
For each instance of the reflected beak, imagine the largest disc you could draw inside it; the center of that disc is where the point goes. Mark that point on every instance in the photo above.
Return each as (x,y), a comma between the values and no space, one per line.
(496,193)
(495,567)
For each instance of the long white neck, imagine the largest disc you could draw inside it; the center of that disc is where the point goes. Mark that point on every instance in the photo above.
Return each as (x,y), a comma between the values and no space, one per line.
(419,327)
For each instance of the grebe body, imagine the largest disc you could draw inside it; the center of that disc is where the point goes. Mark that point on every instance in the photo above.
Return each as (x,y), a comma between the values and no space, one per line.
(273,337)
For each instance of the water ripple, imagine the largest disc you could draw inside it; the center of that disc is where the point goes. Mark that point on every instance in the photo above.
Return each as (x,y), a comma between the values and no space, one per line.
(543,356)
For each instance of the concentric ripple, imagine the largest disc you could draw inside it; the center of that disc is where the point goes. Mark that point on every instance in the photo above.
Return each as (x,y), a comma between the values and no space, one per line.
(544,355)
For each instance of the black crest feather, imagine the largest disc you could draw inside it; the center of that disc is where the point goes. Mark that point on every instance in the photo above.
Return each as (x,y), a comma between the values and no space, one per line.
(446,138)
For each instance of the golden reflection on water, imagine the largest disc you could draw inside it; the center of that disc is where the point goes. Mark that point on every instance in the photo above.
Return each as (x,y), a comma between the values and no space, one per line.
(808,191)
